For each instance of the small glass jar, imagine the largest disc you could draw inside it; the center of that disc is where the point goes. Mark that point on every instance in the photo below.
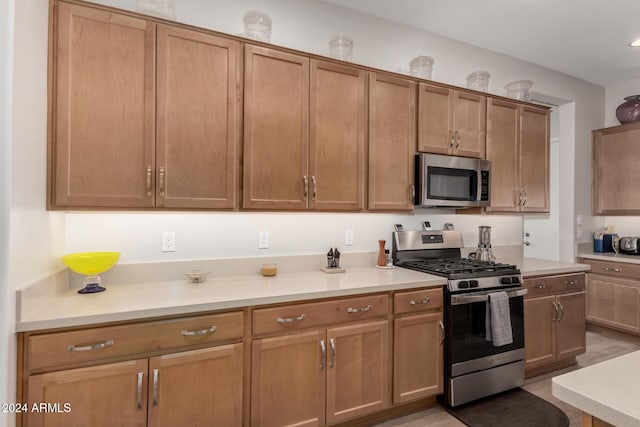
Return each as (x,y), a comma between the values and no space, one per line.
(421,66)
(520,89)
(257,26)
(269,269)
(341,47)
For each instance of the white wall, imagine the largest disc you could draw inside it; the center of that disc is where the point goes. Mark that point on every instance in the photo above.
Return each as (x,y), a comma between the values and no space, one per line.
(36,237)
(7,317)
(231,235)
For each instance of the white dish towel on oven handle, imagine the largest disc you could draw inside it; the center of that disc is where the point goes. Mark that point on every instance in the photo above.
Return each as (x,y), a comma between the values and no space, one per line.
(498,319)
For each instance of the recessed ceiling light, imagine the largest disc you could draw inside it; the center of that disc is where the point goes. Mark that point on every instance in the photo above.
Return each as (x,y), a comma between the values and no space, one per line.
(635,43)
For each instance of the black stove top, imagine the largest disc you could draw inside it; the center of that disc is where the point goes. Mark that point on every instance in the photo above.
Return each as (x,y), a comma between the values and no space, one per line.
(460,268)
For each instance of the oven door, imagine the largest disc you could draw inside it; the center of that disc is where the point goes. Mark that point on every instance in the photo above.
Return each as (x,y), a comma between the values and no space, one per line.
(467,346)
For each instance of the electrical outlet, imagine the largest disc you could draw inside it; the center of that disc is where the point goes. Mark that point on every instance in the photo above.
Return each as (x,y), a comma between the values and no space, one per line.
(579,232)
(263,239)
(168,241)
(348,237)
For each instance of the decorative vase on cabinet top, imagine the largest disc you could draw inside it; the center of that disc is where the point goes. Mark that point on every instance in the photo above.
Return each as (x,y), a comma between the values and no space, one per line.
(629,111)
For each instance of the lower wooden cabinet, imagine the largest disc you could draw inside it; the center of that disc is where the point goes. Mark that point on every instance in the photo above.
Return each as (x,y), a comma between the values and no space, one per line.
(613,302)
(417,363)
(327,376)
(194,388)
(554,319)
(108,395)
(613,294)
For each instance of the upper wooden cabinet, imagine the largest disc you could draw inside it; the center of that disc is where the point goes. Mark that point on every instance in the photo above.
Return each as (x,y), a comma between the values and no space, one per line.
(104,150)
(451,121)
(305,124)
(338,126)
(392,142)
(276,129)
(615,158)
(103,139)
(197,120)
(518,146)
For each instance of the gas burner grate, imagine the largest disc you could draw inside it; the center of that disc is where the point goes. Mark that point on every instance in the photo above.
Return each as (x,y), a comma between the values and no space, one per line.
(458,267)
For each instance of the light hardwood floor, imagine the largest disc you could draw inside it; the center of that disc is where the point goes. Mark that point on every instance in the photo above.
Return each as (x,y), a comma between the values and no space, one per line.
(602,344)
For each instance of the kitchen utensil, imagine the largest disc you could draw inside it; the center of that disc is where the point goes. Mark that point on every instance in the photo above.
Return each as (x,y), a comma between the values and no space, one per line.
(483,253)
(629,245)
(91,265)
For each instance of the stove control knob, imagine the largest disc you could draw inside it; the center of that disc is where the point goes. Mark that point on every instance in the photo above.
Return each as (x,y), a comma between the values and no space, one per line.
(505,280)
(473,283)
(463,284)
(515,279)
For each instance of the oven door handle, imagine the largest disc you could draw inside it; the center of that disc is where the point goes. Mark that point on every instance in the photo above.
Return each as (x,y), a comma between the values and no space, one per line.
(468,299)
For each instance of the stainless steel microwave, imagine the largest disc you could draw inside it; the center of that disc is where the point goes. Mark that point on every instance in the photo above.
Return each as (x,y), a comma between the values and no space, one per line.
(452,182)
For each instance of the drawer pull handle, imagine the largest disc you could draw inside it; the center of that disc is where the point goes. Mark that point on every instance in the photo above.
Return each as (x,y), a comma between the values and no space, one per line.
(442,329)
(332,342)
(290,319)
(323,356)
(571,282)
(107,343)
(155,387)
(539,286)
(360,310)
(561,313)
(424,301)
(148,181)
(139,390)
(617,270)
(186,333)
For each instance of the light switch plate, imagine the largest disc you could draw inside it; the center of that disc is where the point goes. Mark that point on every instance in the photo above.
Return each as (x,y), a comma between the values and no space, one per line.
(263,239)
(348,237)
(168,241)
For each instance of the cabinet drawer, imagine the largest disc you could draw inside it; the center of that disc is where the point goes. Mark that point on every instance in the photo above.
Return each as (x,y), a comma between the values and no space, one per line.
(550,285)
(318,314)
(412,301)
(86,345)
(616,269)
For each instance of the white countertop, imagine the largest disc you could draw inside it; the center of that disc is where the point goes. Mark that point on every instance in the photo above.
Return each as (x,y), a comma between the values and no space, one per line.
(55,304)
(609,390)
(138,301)
(609,256)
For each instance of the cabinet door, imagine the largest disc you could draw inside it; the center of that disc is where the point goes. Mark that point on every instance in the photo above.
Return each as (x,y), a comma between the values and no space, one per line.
(534,158)
(198,119)
(539,331)
(103,140)
(615,156)
(99,396)
(338,125)
(613,302)
(276,129)
(570,328)
(358,371)
(502,150)
(288,380)
(435,123)
(469,123)
(392,142)
(417,357)
(197,388)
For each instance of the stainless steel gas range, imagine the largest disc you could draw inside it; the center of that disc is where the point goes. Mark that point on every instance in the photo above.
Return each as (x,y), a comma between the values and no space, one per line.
(477,364)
